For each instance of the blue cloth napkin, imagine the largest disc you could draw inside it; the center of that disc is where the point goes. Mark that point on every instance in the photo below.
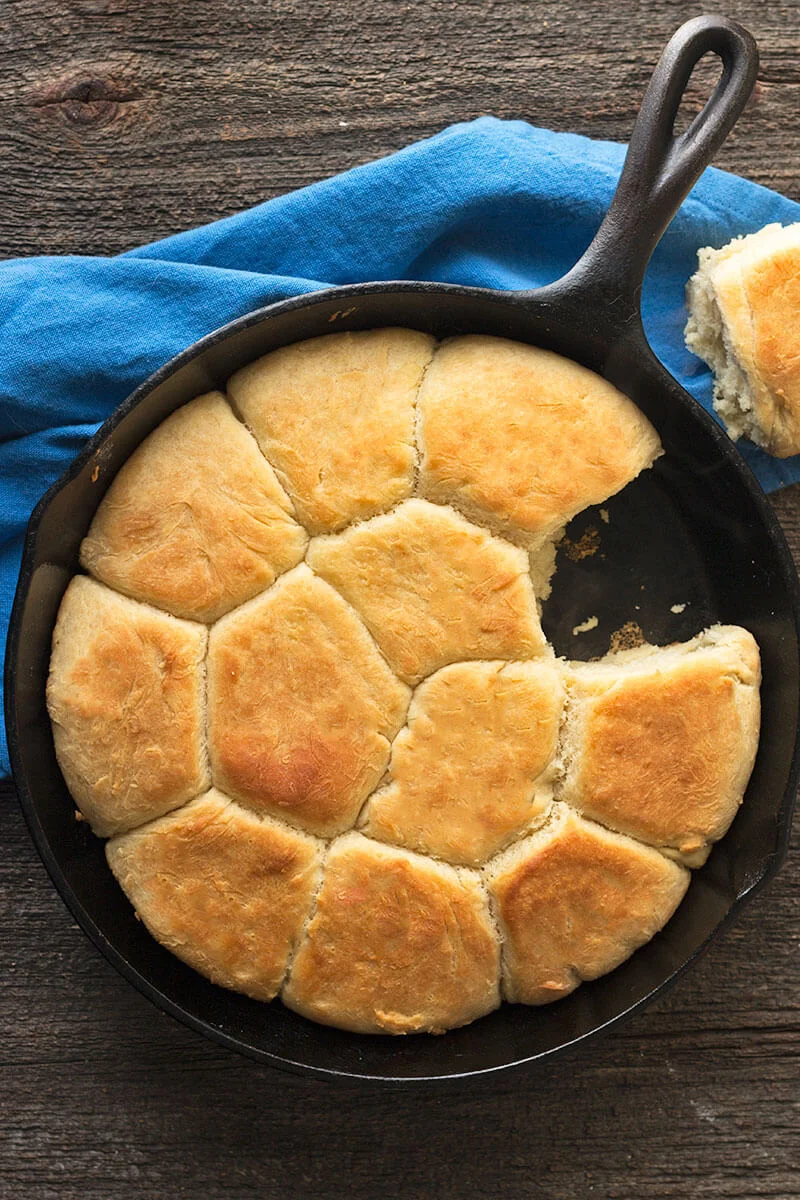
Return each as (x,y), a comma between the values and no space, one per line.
(492,203)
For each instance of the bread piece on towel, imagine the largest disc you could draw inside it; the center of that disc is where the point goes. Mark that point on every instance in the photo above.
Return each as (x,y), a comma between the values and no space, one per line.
(744,320)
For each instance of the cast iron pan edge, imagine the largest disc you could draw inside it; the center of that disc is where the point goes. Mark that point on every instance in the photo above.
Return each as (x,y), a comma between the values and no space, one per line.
(597,305)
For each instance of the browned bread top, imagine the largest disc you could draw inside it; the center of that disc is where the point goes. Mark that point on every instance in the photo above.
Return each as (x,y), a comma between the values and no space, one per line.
(744,320)
(225,890)
(196,521)
(660,743)
(522,439)
(574,901)
(398,944)
(126,702)
(473,767)
(398,759)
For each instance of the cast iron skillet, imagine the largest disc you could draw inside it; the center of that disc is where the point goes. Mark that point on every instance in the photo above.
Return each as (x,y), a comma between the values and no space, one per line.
(696,530)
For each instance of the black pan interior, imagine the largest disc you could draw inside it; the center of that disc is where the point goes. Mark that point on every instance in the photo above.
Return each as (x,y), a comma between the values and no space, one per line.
(695,531)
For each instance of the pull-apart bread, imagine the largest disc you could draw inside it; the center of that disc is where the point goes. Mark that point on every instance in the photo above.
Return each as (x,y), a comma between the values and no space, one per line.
(659,743)
(227,891)
(126,697)
(744,320)
(573,901)
(304,689)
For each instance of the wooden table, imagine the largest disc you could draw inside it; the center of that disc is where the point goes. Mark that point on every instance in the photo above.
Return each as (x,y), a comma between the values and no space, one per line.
(125,121)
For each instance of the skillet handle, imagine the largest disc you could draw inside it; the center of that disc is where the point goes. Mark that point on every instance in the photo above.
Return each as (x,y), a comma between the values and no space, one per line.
(660,168)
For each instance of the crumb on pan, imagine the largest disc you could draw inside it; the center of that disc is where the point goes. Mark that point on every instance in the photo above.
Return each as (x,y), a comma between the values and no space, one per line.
(586,545)
(627,637)
(585,626)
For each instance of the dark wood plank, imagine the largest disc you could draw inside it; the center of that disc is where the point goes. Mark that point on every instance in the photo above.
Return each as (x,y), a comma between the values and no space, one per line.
(121,122)
(125,122)
(103,1096)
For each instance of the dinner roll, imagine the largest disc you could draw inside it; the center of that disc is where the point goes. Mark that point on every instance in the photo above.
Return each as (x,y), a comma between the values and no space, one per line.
(660,742)
(470,770)
(398,944)
(573,901)
(196,521)
(521,439)
(744,320)
(335,417)
(226,891)
(126,703)
(302,707)
(432,588)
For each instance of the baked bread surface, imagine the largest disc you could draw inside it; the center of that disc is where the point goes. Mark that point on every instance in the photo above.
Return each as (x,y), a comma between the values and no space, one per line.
(302,708)
(432,588)
(397,760)
(398,944)
(196,521)
(225,890)
(744,320)
(574,901)
(521,439)
(126,701)
(335,416)
(660,743)
(469,771)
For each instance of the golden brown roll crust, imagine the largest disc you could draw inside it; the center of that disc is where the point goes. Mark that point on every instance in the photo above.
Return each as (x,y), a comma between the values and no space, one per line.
(469,771)
(196,521)
(524,439)
(398,944)
(335,417)
(474,838)
(125,698)
(661,742)
(301,705)
(226,891)
(574,901)
(432,588)
(745,321)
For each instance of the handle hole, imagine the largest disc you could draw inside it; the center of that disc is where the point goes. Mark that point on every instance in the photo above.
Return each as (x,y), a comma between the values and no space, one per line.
(702,81)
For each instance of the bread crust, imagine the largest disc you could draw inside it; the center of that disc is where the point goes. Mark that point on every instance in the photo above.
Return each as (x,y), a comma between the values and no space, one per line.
(125,696)
(574,901)
(522,439)
(302,708)
(433,589)
(754,281)
(661,746)
(335,417)
(198,539)
(398,944)
(470,769)
(450,814)
(226,891)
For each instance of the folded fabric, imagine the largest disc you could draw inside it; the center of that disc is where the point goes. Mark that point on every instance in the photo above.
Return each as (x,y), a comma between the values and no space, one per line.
(491,203)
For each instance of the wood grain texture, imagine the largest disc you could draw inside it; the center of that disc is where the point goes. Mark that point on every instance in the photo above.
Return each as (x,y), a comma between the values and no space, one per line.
(122,121)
